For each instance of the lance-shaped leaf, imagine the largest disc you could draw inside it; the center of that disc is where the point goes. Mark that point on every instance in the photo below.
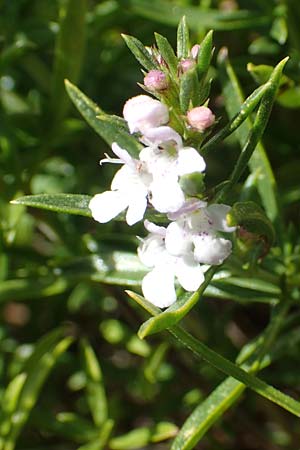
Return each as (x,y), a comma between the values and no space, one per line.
(189,89)
(204,55)
(175,312)
(140,52)
(224,365)
(257,130)
(167,53)
(110,128)
(246,109)
(259,162)
(257,354)
(65,203)
(183,39)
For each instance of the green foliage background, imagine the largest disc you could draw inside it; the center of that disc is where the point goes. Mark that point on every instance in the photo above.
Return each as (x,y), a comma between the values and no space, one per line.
(62,316)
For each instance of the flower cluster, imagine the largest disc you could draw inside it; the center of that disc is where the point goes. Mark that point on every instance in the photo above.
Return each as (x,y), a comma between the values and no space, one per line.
(190,242)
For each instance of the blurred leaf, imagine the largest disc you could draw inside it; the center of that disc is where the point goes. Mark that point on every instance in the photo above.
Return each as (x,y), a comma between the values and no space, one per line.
(197,18)
(65,203)
(110,128)
(65,424)
(262,72)
(154,362)
(69,51)
(163,431)
(140,437)
(36,370)
(100,442)
(135,439)
(112,267)
(290,98)
(94,387)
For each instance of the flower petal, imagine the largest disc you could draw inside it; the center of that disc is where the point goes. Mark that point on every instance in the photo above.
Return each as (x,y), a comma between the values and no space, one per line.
(142,112)
(161,135)
(158,287)
(107,205)
(151,250)
(153,228)
(178,240)
(210,249)
(189,273)
(189,161)
(167,195)
(136,209)
(123,155)
(217,213)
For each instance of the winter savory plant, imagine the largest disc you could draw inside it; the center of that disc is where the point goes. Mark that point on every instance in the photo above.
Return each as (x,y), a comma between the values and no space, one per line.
(194,233)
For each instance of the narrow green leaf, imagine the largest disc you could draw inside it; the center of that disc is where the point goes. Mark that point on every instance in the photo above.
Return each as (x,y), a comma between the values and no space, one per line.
(65,203)
(205,55)
(189,89)
(175,312)
(246,109)
(183,39)
(140,52)
(228,392)
(167,52)
(223,364)
(69,50)
(95,389)
(110,128)
(257,130)
(259,161)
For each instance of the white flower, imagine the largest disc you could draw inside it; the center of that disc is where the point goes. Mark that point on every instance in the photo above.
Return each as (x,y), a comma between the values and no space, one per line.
(129,189)
(158,285)
(195,231)
(167,160)
(143,112)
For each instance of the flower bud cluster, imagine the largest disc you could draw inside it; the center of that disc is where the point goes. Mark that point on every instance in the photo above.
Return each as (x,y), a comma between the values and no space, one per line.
(181,250)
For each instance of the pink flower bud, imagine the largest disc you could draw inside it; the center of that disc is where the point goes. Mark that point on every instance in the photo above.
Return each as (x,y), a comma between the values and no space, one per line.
(186,64)
(200,118)
(156,80)
(195,50)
